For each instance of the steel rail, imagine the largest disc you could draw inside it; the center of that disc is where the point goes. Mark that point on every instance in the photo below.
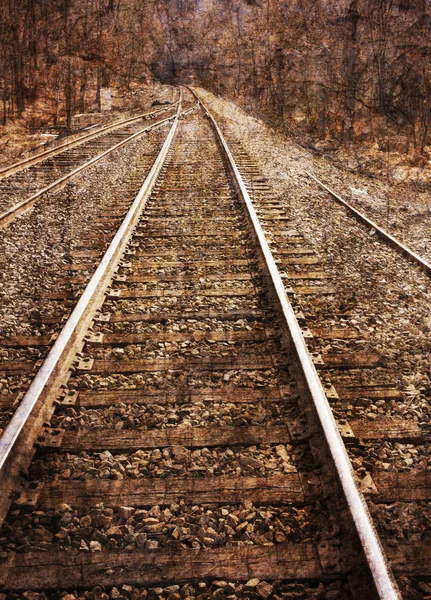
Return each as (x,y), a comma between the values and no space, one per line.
(19,437)
(31,160)
(392,241)
(378,566)
(10,214)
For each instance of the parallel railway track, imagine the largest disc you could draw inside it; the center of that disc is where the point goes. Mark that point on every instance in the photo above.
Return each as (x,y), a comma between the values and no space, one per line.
(23,183)
(184,440)
(40,307)
(381,232)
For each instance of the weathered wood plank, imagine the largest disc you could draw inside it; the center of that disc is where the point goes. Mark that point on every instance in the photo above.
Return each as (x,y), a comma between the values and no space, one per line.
(368,391)
(386,428)
(309,290)
(76,280)
(234,315)
(351,360)
(62,570)
(189,254)
(186,278)
(50,319)
(295,251)
(61,295)
(16,367)
(83,266)
(164,492)
(308,275)
(287,232)
(412,559)
(401,486)
(203,211)
(203,246)
(94,237)
(187,220)
(270,218)
(297,260)
(233,395)
(201,264)
(118,339)
(89,253)
(204,293)
(89,245)
(217,363)
(193,235)
(7,400)
(23,341)
(190,437)
(335,333)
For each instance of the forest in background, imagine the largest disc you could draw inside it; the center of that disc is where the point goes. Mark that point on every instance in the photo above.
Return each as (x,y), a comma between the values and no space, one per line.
(335,70)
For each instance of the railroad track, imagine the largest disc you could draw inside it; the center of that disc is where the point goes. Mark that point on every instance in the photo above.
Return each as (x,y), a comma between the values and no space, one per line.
(81,221)
(371,353)
(184,441)
(22,183)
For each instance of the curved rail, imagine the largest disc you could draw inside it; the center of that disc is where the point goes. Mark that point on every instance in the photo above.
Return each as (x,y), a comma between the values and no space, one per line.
(20,207)
(379,569)
(392,241)
(27,162)
(21,433)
